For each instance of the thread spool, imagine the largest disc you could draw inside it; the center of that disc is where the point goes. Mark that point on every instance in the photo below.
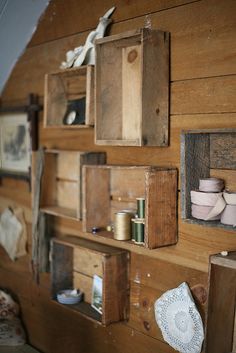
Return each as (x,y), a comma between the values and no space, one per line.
(141,207)
(139,231)
(122,226)
(211,185)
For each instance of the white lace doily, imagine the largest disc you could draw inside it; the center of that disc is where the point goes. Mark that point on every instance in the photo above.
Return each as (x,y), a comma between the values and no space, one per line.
(179,320)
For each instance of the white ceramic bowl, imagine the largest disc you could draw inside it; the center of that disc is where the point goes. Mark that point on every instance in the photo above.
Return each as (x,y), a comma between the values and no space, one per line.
(69,296)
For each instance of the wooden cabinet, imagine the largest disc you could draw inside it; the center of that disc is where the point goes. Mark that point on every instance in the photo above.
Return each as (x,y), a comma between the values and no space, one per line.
(132,89)
(74,263)
(108,189)
(65,88)
(61,189)
(204,154)
(220,321)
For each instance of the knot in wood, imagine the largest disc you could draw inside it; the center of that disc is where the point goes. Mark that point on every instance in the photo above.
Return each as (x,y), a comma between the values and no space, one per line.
(132,55)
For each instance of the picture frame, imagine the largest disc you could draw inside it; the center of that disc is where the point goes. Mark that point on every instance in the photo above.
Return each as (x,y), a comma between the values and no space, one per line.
(96,302)
(18,138)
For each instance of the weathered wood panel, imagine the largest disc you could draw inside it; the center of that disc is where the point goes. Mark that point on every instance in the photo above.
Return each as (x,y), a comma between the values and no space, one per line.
(196,35)
(76,19)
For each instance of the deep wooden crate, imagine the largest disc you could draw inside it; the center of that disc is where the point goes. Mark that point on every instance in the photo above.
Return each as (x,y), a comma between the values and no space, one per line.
(65,85)
(108,189)
(220,334)
(61,187)
(204,154)
(75,261)
(132,89)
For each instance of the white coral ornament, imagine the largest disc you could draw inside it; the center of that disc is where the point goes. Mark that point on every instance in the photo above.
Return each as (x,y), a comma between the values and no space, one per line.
(179,320)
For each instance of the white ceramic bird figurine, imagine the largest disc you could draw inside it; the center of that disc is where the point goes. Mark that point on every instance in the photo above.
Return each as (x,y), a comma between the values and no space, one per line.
(86,54)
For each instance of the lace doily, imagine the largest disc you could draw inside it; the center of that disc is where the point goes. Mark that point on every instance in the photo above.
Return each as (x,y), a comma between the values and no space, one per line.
(179,320)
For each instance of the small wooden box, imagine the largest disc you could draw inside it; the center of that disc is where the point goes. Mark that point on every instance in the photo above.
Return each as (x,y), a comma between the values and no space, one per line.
(132,89)
(220,334)
(75,261)
(61,188)
(205,154)
(108,189)
(64,86)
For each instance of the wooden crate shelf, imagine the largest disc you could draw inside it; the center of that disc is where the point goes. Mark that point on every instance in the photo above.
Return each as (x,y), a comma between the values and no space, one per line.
(61,189)
(204,154)
(220,334)
(76,260)
(64,86)
(132,89)
(108,189)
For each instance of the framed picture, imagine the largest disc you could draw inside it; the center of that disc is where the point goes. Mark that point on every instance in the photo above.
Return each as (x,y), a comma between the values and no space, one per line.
(97,294)
(18,138)
(14,143)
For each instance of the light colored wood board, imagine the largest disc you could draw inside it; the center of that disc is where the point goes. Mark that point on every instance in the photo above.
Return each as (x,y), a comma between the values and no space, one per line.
(90,97)
(67,195)
(229,177)
(223,151)
(108,64)
(96,198)
(68,165)
(55,100)
(76,20)
(60,211)
(47,192)
(195,165)
(194,53)
(203,95)
(87,262)
(160,208)
(155,89)
(131,92)
(84,284)
(221,309)
(10,202)
(127,182)
(228,261)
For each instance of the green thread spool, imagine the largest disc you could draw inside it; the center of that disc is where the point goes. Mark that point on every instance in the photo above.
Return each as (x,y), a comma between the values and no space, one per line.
(141,207)
(139,231)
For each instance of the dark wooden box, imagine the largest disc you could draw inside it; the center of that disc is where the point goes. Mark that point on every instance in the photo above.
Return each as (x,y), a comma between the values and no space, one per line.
(132,89)
(204,154)
(65,85)
(75,261)
(61,188)
(220,334)
(108,189)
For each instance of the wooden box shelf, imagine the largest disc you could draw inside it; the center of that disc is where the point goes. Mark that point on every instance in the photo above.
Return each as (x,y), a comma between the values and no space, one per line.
(132,89)
(108,189)
(75,261)
(204,154)
(64,86)
(220,334)
(61,189)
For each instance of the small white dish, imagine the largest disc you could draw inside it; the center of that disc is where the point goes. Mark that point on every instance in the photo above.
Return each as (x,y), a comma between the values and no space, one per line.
(69,296)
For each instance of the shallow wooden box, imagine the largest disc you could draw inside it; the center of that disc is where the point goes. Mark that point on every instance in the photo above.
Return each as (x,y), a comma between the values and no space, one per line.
(65,85)
(132,89)
(61,187)
(204,154)
(75,261)
(220,336)
(108,189)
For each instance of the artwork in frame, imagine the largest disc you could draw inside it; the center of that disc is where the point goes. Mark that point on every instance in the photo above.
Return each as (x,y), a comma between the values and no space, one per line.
(97,294)
(15,149)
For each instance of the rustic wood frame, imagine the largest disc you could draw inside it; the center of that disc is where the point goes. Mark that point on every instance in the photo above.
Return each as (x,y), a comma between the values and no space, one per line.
(202,150)
(32,110)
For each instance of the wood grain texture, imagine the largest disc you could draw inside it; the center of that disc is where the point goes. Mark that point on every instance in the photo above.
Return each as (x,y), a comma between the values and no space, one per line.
(75,17)
(221,307)
(194,53)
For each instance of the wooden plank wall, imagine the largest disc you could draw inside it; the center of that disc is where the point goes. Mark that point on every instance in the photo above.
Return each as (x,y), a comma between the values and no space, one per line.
(203,90)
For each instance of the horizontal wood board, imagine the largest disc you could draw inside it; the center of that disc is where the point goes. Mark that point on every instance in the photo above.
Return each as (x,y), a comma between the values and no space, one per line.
(203,68)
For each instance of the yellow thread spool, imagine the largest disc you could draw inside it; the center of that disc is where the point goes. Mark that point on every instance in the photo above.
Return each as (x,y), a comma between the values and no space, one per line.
(122,226)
